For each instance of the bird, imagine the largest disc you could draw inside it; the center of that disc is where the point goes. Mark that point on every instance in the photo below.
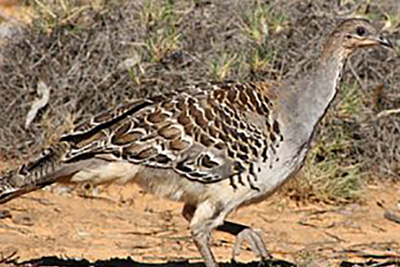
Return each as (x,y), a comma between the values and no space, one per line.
(216,147)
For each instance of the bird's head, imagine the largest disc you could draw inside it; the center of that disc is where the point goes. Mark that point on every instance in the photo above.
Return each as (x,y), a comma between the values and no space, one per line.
(352,34)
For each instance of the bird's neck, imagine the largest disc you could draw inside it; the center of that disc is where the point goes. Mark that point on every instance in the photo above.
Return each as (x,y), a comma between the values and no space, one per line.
(308,99)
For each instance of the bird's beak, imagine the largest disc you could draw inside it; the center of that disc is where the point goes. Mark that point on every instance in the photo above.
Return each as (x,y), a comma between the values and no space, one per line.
(374,41)
(385,42)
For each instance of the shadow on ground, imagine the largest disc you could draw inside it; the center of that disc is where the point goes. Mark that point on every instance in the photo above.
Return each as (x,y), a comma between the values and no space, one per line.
(128,262)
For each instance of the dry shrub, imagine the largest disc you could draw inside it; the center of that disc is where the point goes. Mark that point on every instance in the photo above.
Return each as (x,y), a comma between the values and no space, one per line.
(95,56)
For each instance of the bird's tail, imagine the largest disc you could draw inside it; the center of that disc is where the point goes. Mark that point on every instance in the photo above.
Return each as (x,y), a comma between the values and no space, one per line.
(34,175)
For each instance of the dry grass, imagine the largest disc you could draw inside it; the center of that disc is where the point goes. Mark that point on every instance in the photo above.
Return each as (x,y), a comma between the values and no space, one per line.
(95,54)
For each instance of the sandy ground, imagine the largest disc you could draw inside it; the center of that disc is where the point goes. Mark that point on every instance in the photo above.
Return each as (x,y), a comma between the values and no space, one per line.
(126,223)
(124,226)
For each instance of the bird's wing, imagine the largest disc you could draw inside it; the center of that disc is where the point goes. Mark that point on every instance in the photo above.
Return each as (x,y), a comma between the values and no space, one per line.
(218,132)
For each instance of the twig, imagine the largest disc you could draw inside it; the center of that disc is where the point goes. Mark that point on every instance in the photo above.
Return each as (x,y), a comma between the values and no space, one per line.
(44,94)
(9,258)
(350,253)
(388,112)
(353,71)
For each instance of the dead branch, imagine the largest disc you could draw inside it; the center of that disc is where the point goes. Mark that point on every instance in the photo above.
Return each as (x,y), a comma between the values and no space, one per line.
(388,112)
(44,94)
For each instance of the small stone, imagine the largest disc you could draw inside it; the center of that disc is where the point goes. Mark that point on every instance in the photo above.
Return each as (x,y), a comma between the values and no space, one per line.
(24,219)
(5,214)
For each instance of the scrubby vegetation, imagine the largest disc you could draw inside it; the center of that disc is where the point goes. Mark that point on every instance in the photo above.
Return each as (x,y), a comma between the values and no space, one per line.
(96,54)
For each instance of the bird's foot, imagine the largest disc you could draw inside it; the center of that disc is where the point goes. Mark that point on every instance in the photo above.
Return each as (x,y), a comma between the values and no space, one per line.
(256,244)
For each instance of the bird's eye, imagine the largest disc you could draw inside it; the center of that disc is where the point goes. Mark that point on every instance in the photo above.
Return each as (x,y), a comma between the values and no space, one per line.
(361,31)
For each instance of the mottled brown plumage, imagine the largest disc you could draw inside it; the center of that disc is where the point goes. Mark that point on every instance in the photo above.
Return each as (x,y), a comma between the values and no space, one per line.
(219,132)
(215,147)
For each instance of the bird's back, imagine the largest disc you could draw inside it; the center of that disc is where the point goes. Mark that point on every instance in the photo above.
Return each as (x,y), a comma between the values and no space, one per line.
(213,132)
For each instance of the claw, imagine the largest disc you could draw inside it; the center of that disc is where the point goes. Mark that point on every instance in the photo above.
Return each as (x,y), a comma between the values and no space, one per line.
(256,244)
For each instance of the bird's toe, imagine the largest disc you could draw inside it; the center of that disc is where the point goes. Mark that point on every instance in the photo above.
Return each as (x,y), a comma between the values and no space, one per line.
(256,244)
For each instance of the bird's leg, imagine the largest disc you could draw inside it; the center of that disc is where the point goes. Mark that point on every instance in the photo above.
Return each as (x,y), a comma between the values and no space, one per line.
(201,238)
(243,232)
(203,219)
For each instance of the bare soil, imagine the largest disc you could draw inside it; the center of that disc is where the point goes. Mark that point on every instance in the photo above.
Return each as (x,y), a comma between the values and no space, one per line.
(124,226)
(76,228)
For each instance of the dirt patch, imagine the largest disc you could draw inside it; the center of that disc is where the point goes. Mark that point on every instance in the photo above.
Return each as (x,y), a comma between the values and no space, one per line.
(127,223)
(96,56)
(106,57)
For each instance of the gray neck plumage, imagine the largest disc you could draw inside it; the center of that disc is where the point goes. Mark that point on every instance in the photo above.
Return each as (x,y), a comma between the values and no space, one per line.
(306,100)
